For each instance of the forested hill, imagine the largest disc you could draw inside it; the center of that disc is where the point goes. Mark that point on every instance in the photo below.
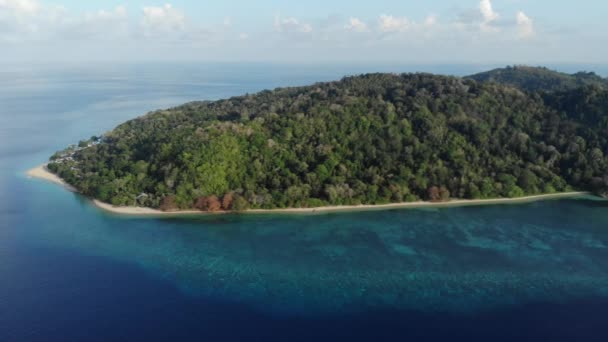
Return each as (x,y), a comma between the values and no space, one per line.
(372,139)
(540,78)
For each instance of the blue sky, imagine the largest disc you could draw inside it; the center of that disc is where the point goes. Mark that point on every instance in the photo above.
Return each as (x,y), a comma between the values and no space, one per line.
(432,31)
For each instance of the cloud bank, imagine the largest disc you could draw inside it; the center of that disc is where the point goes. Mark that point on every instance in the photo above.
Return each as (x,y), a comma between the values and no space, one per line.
(480,31)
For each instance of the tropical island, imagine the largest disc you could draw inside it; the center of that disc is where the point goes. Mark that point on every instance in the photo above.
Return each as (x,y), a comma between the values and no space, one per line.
(367,140)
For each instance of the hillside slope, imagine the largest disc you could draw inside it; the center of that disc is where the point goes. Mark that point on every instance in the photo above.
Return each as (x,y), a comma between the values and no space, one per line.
(540,78)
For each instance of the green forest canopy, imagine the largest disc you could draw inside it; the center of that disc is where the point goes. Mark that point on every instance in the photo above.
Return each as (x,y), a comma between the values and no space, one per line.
(368,139)
(540,78)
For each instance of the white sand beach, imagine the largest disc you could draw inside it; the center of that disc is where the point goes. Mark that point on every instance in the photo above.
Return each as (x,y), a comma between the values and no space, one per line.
(41,172)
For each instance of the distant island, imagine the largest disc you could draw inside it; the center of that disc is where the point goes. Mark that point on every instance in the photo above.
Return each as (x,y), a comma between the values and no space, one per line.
(372,139)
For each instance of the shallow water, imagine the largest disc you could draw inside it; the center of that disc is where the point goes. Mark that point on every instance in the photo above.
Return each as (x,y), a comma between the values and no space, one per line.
(71,272)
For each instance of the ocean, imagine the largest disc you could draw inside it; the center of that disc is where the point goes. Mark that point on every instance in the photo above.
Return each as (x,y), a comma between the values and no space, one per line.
(70,272)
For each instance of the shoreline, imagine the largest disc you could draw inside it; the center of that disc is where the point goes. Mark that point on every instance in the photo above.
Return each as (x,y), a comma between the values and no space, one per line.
(41,172)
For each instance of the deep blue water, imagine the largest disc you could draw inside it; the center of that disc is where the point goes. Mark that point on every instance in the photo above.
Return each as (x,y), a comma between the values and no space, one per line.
(69,272)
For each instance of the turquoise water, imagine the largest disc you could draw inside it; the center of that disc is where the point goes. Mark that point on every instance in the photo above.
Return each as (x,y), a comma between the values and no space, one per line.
(456,260)
(71,272)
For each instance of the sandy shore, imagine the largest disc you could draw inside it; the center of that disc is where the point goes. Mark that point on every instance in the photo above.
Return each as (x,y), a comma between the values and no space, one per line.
(42,172)
(139,211)
(142,211)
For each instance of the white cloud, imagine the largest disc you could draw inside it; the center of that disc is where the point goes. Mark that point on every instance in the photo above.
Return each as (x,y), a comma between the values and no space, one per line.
(38,27)
(19,7)
(291,25)
(525,25)
(102,24)
(389,23)
(163,19)
(393,24)
(485,7)
(489,16)
(19,19)
(431,20)
(120,12)
(356,25)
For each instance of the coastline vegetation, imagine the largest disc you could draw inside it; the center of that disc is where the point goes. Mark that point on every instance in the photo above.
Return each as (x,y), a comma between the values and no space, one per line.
(368,139)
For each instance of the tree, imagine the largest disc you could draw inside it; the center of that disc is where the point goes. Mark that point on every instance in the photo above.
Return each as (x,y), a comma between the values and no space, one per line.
(528,181)
(168,204)
(434,194)
(513,191)
(227,201)
(240,203)
(444,194)
(601,186)
(210,204)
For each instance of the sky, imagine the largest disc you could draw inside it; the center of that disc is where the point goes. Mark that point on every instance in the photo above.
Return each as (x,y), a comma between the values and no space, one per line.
(355,31)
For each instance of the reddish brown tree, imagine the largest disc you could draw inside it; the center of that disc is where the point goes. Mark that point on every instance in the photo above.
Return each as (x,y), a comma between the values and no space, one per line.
(201,203)
(227,201)
(434,194)
(214,204)
(211,203)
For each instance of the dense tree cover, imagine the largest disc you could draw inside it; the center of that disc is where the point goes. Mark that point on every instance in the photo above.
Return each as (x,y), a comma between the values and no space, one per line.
(373,139)
(540,78)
